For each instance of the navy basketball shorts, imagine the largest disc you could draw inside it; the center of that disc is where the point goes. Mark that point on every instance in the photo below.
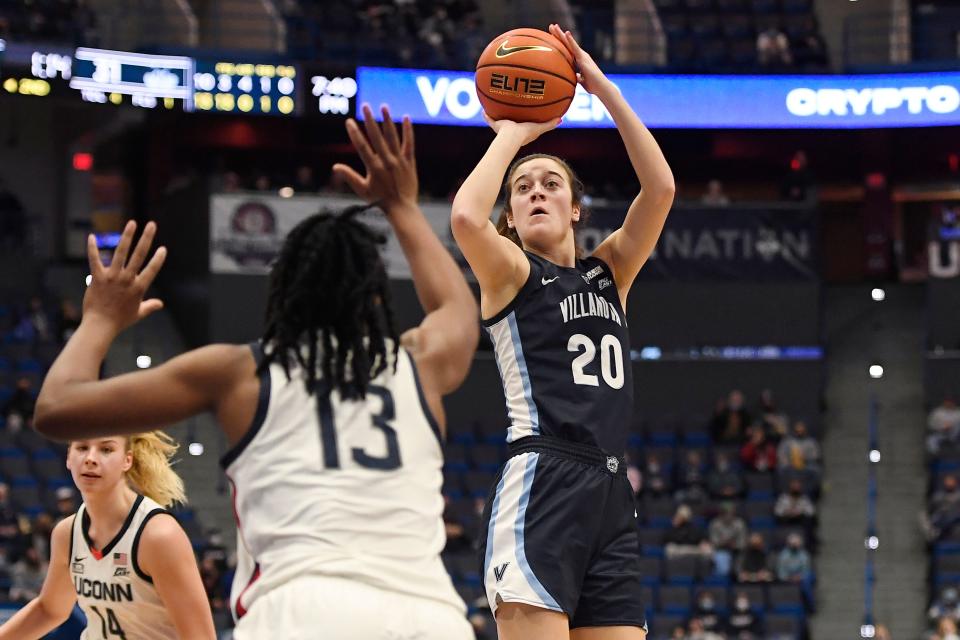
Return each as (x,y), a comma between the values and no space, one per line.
(560,533)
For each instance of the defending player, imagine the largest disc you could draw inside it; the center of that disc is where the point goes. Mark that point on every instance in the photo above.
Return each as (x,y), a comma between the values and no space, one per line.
(122,556)
(334,420)
(560,551)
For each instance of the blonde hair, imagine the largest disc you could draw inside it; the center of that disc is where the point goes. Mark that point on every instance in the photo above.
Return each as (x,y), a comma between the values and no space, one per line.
(151,473)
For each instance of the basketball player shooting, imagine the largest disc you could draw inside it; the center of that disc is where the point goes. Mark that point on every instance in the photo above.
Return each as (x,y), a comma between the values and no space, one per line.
(334,421)
(559,558)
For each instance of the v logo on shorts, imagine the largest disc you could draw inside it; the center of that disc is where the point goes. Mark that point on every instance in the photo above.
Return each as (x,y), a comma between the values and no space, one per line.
(499,571)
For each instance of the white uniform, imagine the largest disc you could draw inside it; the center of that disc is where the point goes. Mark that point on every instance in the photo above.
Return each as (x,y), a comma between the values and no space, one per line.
(118,599)
(339,514)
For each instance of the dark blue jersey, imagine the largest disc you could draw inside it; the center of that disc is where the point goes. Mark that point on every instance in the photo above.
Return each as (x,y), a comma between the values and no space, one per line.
(563,351)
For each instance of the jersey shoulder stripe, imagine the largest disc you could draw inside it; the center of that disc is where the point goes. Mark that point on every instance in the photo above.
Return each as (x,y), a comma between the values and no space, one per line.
(263,403)
(135,548)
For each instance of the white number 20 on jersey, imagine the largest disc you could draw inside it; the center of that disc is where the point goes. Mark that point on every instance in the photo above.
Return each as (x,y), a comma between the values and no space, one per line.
(611,360)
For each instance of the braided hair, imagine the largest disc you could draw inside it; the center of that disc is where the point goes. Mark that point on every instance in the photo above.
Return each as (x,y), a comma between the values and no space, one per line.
(328,308)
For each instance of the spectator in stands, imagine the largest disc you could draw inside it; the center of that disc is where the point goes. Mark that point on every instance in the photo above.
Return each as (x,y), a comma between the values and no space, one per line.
(715,197)
(730,420)
(66,503)
(944,508)
(758,454)
(656,481)
(685,538)
(743,622)
(947,605)
(799,184)
(458,537)
(728,535)
(68,320)
(809,48)
(40,320)
(793,563)
(13,220)
(9,524)
(40,531)
(691,478)
(773,48)
(27,576)
(262,182)
(18,409)
(305,181)
(794,507)
(774,421)
(212,579)
(754,564)
(697,631)
(799,450)
(943,425)
(678,633)
(707,611)
(724,483)
(946,630)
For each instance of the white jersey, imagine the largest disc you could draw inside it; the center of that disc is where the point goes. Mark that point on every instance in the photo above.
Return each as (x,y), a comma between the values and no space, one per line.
(118,599)
(349,489)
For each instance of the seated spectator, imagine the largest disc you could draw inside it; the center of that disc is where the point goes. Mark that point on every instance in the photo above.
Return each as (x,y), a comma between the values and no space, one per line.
(27,576)
(715,197)
(66,503)
(753,564)
(707,611)
(691,480)
(743,622)
(947,605)
(40,531)
(68,321)
(459,526)
(305,181)
(799,450)
(678,633)
(774,421)
(728,535)
(685,537)
(809,48)
(773,48)
(724,483)
(944,508)
(697,631)
(758,454)
(794,507)
(943,424)
(9,523)
(730,420)
(656,480)
(946,630)
(18,409)
(793,563)
(212,579)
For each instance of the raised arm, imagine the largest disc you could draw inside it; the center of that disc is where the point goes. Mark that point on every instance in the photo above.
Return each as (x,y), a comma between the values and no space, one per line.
(75,403)
(627,249)
(498,263)
(444,343)
(52,607)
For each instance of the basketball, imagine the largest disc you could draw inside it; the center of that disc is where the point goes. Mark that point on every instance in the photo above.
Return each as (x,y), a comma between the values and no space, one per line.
(525,75)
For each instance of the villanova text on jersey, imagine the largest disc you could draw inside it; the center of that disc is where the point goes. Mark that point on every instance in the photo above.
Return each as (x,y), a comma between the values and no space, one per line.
(563,350)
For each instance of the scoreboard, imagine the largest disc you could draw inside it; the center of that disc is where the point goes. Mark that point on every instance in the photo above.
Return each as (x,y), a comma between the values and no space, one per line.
(162,82)
(245,87)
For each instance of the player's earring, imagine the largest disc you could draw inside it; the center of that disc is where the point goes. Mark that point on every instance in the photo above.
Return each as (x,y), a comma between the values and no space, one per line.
(509,222)
(576,214)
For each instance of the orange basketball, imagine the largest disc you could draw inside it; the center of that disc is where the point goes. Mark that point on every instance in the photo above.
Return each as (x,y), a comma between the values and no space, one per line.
(525,75)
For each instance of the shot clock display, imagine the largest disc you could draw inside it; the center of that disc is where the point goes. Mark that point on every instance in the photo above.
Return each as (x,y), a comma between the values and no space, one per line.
(244,87)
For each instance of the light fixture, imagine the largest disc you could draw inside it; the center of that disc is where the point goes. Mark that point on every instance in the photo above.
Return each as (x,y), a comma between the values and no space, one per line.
(876,371)
(195,448)
(872,542)
(867,630)
(874,455)
(286,192)
(878,294)
(144,361)
(88,279)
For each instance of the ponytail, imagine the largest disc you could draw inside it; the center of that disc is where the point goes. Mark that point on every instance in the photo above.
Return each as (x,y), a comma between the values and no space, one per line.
(151,473)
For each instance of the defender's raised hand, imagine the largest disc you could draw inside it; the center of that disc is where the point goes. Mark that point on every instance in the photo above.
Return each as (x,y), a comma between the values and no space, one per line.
(115,294)
(391,168)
